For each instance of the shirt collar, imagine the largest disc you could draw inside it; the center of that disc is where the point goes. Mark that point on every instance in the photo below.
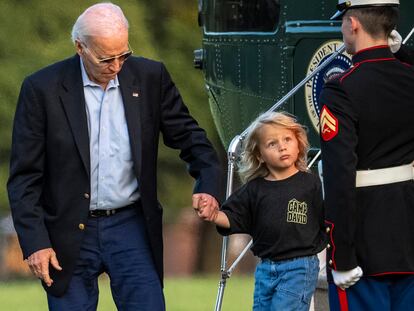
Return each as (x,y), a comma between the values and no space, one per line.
(87,82)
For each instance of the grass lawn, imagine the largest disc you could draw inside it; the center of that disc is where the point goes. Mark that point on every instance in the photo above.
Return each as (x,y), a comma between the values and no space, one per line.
(181,294)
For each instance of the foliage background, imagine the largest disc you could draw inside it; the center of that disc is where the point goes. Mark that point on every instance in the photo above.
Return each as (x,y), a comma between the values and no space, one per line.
(35,33)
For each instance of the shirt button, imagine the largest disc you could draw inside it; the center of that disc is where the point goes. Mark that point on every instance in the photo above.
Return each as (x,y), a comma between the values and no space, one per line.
(86,195)
(82,226)
(330,262)
(328,229)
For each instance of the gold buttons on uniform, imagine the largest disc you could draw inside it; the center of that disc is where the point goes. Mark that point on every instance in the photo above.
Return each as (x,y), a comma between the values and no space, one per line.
(82,226)
(328,229)
(330,262)
(328,246)
(86,195)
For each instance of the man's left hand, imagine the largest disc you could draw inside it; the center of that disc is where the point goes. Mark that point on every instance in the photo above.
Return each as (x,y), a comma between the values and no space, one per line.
(205,205)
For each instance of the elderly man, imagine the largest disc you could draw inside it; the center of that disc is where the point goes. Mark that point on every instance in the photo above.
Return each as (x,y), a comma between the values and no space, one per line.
(82,183)
(367,154)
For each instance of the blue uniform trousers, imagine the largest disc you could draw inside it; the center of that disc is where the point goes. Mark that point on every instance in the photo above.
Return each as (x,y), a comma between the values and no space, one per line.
(382,293)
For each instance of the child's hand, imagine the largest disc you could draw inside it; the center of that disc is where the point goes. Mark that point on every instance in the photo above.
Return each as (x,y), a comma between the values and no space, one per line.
(206,206)
(206,215)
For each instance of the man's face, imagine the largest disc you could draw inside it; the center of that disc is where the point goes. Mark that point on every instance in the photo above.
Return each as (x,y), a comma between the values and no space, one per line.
(98,48)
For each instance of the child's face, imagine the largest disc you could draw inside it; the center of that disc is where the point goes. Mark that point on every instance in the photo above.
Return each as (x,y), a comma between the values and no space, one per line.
(279,149)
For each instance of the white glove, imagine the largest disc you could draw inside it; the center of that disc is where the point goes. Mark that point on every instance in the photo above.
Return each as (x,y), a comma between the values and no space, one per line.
(394,41)
(345,279)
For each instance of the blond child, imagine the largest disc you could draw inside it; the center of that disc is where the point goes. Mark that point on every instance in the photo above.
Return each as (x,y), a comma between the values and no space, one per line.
(280,206)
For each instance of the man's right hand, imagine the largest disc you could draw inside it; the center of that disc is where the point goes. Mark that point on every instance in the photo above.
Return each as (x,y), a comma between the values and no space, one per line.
(39,264)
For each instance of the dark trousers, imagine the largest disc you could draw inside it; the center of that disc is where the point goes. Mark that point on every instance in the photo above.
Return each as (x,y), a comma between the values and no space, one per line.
(384,293)
(117,245)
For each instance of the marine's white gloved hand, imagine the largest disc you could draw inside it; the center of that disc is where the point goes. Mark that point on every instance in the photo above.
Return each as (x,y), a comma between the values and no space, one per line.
(394,41)
(345,279)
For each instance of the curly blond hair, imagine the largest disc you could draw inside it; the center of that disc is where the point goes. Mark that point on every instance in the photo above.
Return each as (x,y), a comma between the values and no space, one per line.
(250,166)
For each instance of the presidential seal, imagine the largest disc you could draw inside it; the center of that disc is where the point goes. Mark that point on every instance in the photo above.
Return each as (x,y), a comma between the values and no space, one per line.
(314,86)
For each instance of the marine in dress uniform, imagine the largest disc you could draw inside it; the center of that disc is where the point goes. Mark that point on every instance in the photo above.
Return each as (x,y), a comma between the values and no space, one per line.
(367,142)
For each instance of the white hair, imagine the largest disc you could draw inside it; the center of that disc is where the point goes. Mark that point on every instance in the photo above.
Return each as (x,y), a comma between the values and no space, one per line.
(103,19)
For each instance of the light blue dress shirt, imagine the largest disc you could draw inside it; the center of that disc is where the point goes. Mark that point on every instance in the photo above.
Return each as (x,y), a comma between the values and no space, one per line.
(113,183)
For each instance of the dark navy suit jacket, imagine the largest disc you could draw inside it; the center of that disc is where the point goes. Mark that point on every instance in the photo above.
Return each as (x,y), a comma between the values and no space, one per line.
(49,182)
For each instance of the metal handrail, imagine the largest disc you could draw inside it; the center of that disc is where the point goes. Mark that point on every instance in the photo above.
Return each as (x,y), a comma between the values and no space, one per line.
(408,36)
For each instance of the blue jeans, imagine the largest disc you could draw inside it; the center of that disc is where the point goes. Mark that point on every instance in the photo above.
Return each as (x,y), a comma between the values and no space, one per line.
(285,285)
(117,245)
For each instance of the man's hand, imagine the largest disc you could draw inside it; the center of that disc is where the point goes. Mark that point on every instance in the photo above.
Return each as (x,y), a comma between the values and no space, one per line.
(205,205)
(345,279)
(394,41)
(39,264)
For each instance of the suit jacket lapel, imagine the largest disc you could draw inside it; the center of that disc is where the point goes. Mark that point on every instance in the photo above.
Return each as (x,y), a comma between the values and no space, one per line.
(73,100)
(131,96)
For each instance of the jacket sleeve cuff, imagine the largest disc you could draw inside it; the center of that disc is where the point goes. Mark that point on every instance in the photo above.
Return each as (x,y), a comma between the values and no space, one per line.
(341,256)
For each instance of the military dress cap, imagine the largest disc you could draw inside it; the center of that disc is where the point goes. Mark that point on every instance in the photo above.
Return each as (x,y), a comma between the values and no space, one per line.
(344,5)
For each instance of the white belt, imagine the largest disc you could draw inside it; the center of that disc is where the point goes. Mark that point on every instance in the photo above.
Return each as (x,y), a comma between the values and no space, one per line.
(385,176)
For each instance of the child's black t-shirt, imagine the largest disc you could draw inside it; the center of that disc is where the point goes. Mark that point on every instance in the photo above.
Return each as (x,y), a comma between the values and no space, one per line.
(284,218)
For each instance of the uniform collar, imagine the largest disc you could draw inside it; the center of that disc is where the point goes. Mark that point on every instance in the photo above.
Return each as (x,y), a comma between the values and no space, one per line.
(374,52)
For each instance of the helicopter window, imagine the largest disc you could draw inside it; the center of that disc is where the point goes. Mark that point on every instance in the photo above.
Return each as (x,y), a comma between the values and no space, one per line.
(242,15)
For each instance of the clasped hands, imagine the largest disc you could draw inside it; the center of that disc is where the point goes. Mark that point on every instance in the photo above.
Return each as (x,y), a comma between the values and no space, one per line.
(206,206)
(345,279)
